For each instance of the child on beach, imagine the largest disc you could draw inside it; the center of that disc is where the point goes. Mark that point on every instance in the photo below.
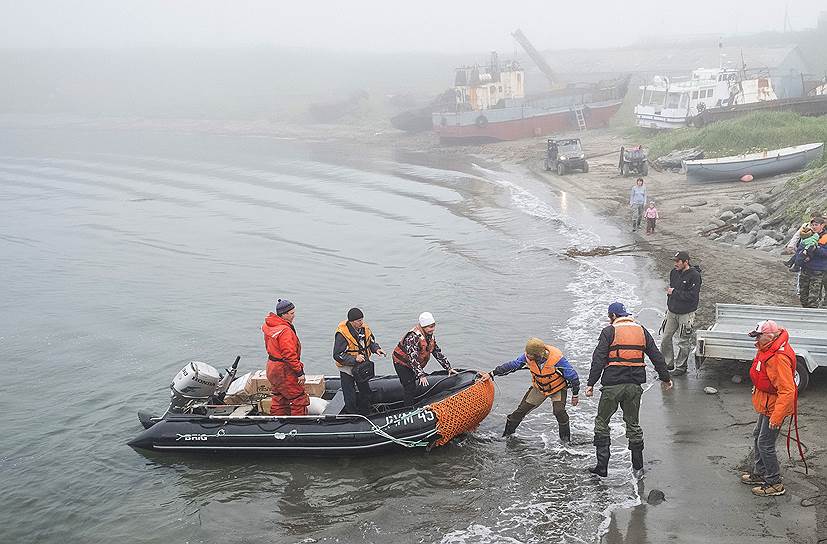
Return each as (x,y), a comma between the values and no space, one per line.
(808,240)
(651,215)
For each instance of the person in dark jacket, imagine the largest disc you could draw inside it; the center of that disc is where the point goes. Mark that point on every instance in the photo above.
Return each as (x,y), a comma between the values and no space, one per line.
(353,344)
(551,377)
(619,364)
(814,266)
(682,298)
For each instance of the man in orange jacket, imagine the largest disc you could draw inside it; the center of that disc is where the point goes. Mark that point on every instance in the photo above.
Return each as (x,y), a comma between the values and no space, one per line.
(284,368)
(774,396)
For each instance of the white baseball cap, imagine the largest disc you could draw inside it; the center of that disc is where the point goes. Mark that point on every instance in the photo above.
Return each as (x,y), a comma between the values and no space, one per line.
(425,319)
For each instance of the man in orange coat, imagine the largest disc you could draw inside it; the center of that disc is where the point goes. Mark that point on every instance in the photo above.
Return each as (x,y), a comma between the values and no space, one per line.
(284,368)
(774,396)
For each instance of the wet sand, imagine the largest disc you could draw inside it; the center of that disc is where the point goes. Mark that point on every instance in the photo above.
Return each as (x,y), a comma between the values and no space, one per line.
(697,444)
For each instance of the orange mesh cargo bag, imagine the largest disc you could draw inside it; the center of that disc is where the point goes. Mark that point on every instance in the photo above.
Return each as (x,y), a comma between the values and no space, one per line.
(463,411)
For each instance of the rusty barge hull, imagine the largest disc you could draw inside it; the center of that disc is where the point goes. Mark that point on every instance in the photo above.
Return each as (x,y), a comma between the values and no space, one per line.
(516,123)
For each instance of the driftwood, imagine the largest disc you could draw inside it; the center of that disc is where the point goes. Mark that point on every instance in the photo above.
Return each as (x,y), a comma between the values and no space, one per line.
(602,251)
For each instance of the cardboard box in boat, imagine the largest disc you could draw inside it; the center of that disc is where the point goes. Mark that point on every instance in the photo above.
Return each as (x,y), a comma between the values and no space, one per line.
(314,384)
(248,388)
(255,386)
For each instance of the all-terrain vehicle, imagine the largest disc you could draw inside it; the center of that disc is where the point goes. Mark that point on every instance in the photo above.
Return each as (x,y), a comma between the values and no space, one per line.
(633,161)
(565,155)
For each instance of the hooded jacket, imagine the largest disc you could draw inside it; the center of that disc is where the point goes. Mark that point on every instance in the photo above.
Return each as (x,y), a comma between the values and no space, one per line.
(779,370)
(282,343)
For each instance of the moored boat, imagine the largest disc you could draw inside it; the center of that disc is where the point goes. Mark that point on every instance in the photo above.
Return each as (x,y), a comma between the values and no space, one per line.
(448,407)
(491,105)
(763,164)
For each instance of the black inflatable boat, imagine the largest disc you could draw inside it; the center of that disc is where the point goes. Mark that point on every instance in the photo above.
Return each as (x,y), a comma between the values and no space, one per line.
(449,406)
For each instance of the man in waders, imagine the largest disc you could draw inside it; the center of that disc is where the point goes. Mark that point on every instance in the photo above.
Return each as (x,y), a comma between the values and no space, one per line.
(551,376)
(619,365)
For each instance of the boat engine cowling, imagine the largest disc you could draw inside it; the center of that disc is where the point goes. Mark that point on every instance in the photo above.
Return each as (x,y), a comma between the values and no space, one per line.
(195,382)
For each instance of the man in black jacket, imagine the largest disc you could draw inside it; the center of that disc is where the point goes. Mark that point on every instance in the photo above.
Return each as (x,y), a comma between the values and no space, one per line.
(353,344)
(619,364)
(682,298)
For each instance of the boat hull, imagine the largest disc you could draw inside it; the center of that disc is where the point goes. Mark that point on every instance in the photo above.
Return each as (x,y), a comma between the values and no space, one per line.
(517,123)
(393,427)
(734,168)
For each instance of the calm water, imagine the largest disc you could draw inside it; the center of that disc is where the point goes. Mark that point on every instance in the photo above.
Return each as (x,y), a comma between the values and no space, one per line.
(125,255)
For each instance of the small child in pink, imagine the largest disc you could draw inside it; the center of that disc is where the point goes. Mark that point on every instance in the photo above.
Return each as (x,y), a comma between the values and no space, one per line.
(651,215)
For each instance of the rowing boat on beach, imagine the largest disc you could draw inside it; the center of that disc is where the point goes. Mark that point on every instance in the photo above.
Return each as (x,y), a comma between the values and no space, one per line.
(763,164)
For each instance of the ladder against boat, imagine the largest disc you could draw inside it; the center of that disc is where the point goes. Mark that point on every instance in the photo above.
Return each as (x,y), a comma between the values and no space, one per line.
(581,116)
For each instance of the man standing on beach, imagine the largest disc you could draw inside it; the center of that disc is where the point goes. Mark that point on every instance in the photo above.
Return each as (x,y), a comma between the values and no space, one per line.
(619,365)
(637,202)
(811,281)
(682,297)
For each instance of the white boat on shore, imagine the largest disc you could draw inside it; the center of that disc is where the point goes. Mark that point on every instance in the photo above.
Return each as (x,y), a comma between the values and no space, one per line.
(763,164)
(667,104)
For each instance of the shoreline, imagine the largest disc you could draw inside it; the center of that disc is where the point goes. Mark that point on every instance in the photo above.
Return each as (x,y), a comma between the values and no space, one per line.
(695,442)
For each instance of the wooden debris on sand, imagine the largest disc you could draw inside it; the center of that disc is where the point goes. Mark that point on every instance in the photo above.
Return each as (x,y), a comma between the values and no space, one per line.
(602,251)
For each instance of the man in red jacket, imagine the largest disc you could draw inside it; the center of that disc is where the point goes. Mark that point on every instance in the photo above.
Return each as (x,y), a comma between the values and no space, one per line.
(284,368)
(773,397)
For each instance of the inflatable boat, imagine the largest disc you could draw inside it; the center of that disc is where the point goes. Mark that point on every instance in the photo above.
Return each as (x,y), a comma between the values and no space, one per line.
(198,421)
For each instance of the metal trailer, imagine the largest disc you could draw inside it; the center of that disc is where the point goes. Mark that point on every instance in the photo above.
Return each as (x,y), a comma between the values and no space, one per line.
(727,339)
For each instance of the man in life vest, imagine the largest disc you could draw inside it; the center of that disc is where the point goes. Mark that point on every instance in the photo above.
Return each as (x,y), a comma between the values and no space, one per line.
(353,344)
(619,365)
(412,354)
(773,397)
(285,370)
(551,376)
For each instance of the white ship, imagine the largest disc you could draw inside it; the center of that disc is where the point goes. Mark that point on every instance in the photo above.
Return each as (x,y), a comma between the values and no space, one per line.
(667,104)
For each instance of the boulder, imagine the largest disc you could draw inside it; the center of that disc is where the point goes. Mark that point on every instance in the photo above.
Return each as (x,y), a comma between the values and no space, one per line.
(696,203)
(715,223)
(765,242)
(656,496)
(749,222)
(727,216)
(744,239)
(756,208)
(728,237)
(684,209)
(734,208)
(771,233)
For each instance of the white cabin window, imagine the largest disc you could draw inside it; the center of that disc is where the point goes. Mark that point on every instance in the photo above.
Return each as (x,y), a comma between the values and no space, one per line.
(694,95)
(684,100)
(657,97)
(672,100)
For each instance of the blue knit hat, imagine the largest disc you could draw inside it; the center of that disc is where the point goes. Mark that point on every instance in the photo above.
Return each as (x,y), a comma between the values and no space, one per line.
(283,306)
(618,309)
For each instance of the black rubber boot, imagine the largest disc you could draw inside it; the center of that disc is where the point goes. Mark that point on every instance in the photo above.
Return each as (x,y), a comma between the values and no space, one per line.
(510,426)
(603,454)
(637,456)
(565,433)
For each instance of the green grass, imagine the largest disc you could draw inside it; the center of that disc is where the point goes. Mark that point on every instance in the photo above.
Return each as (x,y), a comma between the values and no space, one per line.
(751,133)
(804,194)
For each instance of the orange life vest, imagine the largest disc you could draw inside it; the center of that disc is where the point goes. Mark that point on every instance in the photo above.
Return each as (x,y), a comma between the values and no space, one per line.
(353,346)
(549,380)
(628,345)
(426,347)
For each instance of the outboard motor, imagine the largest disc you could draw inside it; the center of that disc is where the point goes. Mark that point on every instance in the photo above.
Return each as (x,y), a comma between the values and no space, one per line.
(194,384)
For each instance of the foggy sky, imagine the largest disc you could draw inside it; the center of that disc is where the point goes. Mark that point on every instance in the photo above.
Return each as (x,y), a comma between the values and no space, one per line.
(448,26)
